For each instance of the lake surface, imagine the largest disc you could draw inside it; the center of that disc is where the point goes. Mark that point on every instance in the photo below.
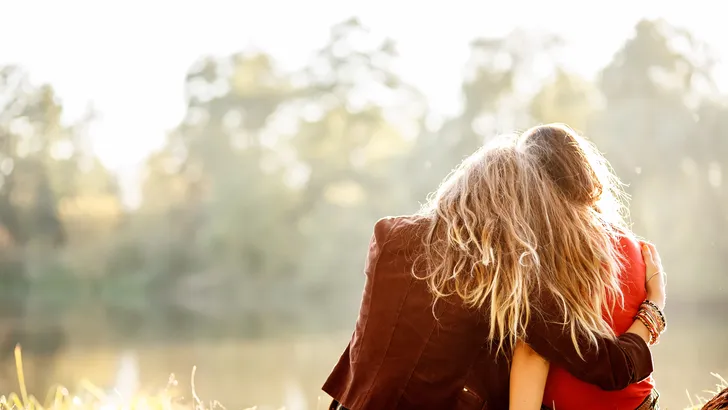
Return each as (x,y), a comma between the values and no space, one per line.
(288,371)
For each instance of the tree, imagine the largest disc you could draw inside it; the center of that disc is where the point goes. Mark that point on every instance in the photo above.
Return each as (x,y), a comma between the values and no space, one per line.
(495,100)
(44,163)
(567,99)
(355,122)
(211,170)
(653,89)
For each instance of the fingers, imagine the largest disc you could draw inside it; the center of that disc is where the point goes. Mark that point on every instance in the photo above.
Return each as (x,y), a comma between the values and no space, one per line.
(646,252)
(650,254)
(655,255)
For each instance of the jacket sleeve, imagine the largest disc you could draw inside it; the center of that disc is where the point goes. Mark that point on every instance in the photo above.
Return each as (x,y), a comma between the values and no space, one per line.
(613,364)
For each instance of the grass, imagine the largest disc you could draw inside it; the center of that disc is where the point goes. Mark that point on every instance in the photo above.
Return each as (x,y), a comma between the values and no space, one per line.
(700,401)
(90,396)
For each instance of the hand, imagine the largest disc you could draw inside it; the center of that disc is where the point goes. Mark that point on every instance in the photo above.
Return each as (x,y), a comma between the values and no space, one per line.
(655,275)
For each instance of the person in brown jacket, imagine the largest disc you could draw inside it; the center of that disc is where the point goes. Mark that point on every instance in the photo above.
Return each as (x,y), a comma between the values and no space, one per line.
(450,290)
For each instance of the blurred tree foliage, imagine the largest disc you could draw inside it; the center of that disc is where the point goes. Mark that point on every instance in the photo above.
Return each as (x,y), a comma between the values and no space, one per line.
(53,191)
(262,200)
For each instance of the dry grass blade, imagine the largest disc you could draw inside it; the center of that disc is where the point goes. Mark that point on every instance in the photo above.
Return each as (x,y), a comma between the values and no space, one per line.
(719,401)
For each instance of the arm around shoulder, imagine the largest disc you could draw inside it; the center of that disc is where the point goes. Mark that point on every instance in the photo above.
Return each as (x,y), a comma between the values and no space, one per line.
(611,364)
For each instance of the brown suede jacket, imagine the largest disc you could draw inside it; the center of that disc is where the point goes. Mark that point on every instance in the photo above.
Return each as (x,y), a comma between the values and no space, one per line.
(405,354)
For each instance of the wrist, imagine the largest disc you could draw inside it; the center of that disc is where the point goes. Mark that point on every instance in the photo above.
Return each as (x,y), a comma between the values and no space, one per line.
(652,318)
(658,298)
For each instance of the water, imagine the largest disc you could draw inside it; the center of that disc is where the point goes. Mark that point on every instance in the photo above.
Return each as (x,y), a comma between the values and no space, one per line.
(288,371)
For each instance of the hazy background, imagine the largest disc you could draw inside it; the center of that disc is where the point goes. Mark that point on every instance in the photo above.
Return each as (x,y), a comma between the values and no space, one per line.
(194,183)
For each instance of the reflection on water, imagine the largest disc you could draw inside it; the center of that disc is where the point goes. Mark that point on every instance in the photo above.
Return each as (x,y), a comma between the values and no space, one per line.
(126,384)
(285,371)
(294,397)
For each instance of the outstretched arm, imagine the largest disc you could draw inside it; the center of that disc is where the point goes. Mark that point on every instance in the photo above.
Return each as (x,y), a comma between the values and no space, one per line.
(528,378)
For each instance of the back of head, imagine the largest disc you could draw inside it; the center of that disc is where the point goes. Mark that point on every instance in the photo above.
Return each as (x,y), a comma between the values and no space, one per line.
(538,211)
(578,169)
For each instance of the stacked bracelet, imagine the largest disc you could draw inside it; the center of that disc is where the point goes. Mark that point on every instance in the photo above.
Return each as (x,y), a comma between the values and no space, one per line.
(651,316)
(656,310)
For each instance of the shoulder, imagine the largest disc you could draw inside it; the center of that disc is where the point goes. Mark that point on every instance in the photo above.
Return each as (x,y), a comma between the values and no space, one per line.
(398,238)
(630,247)
(400,230)
(625,238)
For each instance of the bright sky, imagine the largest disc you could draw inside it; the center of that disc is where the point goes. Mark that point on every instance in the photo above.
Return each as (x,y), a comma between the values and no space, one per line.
(129,58)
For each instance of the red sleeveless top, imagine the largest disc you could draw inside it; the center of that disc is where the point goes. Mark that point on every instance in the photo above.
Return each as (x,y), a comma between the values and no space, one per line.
(565,392)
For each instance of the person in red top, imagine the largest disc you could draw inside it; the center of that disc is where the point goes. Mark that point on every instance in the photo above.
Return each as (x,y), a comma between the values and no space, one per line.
(535,383)
(564,391)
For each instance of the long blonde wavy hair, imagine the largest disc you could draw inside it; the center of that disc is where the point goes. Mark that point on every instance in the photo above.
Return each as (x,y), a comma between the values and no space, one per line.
(536,212)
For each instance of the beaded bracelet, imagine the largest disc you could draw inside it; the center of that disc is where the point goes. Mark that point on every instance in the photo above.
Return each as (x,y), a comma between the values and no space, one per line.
(650,330)
(657,310)
(651,316)
(652,326)
(655,313)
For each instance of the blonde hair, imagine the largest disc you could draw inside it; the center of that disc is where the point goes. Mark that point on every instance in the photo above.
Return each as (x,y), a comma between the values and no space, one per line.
(536,212)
